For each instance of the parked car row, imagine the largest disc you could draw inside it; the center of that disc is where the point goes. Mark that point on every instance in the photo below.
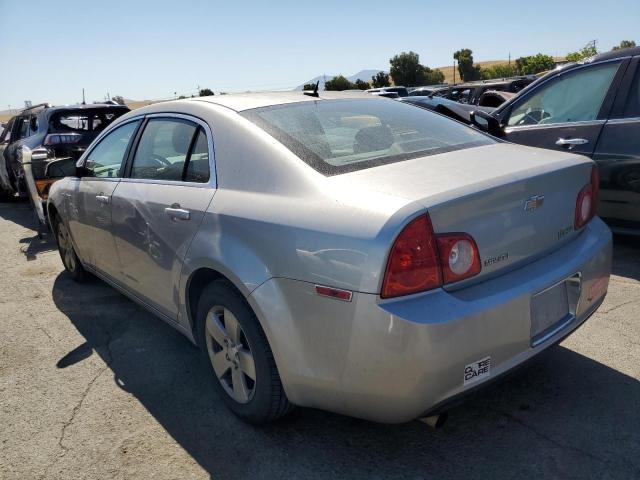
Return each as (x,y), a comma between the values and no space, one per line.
(42,143)
(337,250)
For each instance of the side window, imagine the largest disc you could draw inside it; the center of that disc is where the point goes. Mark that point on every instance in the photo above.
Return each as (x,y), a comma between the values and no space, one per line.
(106,160)
(573,97)
(163,149)
(198,165)
(632,108)
(23,127)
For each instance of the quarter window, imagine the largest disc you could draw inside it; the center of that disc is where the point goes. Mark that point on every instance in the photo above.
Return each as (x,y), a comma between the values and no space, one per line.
(573,97)
(198,165)
(106,160)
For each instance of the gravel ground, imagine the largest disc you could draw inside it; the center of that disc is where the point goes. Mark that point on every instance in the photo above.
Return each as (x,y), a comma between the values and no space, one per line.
(92,386)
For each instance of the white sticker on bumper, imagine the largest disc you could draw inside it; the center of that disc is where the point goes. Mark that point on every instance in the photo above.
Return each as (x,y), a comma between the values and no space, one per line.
(477,370)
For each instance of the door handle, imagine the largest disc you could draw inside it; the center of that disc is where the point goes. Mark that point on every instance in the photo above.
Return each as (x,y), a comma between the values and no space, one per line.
(571,142)
(102,199)
(177,213)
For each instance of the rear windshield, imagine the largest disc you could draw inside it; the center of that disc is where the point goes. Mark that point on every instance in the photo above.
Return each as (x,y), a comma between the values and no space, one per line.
(340,136)
(84,120)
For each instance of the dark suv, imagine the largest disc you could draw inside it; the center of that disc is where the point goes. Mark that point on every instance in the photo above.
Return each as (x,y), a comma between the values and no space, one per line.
(55,138)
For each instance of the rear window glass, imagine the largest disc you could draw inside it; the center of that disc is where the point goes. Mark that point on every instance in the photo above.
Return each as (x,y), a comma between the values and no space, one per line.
(83,120)
(339,136)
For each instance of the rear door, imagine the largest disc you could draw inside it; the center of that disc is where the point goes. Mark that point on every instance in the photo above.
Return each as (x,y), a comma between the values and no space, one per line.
(568,111)
(158,208)
(618,155)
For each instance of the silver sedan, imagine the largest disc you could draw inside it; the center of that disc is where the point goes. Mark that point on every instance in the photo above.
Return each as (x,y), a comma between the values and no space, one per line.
(340,251)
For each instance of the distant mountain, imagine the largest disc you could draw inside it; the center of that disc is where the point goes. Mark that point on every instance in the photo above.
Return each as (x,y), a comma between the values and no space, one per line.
(364,75)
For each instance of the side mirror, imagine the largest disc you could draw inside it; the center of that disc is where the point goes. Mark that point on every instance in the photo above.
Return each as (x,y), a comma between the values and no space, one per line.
(82,171)
(485,122)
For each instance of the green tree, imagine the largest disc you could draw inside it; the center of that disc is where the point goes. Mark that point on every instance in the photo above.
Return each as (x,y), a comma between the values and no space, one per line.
(534,64)
(338,83)
(587,51)
(432,77)
(498,71)
(206,92)
(468,71)
(406,69)
(625,44)
(362,85)
(380,80)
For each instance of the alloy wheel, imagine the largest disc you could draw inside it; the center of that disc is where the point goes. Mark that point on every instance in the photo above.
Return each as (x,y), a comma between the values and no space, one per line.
(66,247)
(230,354)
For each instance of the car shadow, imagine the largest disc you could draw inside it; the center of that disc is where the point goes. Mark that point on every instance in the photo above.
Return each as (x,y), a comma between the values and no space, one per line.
(563,416)
(19,212)
(626,256)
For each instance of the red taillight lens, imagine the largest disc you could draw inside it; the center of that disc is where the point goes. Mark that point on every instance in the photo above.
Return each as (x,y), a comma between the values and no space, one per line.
(586,201)
(413,264)
(58,138)
(459,257)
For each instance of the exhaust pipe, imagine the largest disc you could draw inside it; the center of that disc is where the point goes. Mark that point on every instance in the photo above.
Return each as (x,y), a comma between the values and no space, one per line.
(435,421)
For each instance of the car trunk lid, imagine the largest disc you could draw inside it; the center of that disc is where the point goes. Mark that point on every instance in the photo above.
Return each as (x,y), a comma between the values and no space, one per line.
(517,203)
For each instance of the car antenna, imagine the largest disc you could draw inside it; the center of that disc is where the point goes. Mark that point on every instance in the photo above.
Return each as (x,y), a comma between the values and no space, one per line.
(314,92)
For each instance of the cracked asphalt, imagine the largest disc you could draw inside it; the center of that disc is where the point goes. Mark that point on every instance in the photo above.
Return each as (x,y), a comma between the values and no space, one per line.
(92,386)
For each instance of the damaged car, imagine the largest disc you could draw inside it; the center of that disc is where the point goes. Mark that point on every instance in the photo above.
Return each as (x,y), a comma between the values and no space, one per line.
(42,143)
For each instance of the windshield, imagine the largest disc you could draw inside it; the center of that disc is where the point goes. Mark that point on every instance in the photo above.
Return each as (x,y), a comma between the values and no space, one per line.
(339,136)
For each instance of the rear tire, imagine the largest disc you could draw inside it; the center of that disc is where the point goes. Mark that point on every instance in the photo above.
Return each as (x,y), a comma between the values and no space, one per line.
(246,376)
(68,255)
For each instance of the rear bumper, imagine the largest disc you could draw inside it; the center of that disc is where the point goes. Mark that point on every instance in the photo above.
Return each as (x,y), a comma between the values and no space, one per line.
(392,361)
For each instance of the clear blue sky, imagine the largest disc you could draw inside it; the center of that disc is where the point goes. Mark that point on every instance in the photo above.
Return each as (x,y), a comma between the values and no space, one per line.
(150,49)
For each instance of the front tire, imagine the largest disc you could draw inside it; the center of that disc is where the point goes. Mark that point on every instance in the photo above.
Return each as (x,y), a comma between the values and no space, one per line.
(246,377)
(67,253)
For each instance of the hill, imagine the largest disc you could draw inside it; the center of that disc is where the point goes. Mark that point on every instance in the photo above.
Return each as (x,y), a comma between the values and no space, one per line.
(364,75)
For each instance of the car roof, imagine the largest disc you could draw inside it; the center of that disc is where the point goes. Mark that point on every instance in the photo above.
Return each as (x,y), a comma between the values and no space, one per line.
(250,100)
(624,52)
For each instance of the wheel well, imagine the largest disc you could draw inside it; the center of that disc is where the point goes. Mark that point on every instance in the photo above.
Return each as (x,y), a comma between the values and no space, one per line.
(196,284)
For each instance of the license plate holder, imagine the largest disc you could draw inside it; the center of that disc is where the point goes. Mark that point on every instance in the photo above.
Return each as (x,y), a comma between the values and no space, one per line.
(553,309)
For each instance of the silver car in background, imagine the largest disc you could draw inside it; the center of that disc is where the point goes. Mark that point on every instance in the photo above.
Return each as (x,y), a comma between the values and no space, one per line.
(340,251)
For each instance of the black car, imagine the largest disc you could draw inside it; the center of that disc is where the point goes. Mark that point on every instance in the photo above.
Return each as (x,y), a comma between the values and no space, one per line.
(592,108)
(471,92)
(55,138)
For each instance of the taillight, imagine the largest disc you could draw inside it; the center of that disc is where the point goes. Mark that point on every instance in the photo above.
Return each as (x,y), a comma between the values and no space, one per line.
(58,138)
(586,201)
(420,260)
(459,257)
(413,261)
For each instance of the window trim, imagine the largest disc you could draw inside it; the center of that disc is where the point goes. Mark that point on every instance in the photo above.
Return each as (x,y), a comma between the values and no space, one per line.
(212,183)
(605,108)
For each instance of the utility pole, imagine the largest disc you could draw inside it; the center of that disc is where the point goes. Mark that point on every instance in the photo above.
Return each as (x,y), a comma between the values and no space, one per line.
(83,102)
(454,70)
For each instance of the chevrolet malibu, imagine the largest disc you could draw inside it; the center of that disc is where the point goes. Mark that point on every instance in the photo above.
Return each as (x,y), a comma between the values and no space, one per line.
(337,251)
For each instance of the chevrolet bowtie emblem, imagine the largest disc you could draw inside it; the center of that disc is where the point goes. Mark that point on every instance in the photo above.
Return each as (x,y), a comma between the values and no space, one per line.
(533,202)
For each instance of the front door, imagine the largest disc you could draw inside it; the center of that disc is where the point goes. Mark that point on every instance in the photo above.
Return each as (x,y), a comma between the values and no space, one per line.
(90,198)
(159,207)
(568,111)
